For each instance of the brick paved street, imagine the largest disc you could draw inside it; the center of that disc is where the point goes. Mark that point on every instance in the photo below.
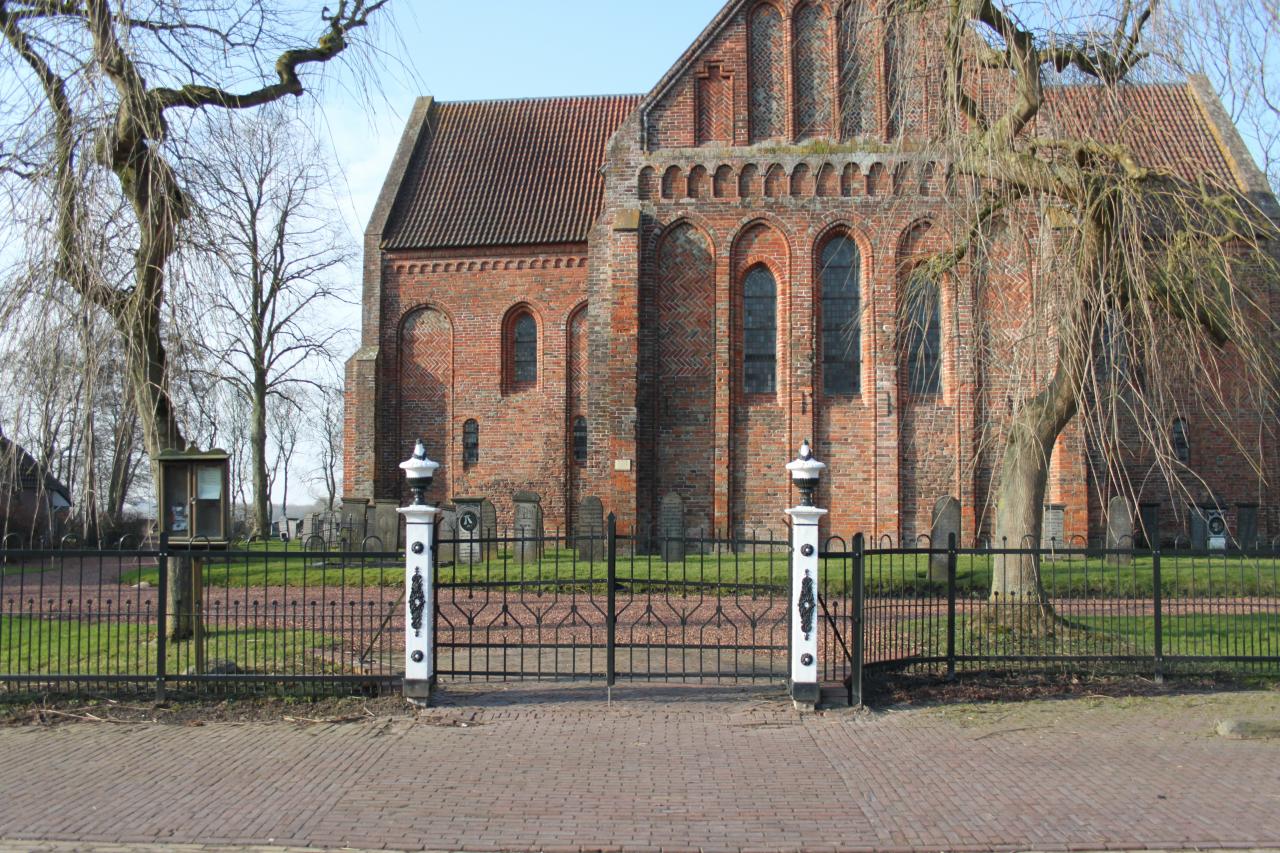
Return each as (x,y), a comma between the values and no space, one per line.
(675,768)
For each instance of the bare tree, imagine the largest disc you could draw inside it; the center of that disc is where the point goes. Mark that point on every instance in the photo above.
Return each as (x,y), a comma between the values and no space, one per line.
(1151,281)
(276,254)
(326,436)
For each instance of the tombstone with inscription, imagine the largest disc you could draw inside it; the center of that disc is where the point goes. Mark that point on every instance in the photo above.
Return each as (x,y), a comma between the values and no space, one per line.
(477,528)
(386,526)
(446,534)
(528,531)
(946,523)
(588,530)
(671,528)
(353,526)
(1119,530)
(1149,525)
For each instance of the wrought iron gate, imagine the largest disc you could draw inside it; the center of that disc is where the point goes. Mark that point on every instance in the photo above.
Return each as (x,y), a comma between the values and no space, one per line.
(606,606)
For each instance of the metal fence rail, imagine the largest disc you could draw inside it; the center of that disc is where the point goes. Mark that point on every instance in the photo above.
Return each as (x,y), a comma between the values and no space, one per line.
(951,609)
(264,616)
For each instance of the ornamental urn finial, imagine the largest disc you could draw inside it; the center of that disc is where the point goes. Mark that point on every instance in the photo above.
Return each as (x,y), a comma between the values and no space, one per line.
(419,472)
(806,471)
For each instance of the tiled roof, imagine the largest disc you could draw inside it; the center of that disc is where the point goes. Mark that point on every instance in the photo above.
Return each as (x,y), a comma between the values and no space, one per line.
(1161,123)
(506,173)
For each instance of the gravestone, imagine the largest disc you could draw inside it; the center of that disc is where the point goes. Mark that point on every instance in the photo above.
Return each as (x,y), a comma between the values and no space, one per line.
(946,523)
(446,533)
(477,528)
(1199,525)
(1119,530)
(588,529)
(671,528)
(528,530)
(386,526)
(353,528)
(1247,526)
(1149,519)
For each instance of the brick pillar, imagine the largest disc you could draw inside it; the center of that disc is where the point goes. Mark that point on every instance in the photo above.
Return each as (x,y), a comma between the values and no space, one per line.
(359,430)
(624,358)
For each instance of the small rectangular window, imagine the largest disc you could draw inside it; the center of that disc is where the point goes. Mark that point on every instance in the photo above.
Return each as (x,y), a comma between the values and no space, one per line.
(470,442)
(580,441)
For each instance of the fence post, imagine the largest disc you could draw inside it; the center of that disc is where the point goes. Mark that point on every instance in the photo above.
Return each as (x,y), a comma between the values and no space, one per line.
(419,577)
(611,612)
(803,674)
(162,617)
(859,608)
(951,605)
(1158,613)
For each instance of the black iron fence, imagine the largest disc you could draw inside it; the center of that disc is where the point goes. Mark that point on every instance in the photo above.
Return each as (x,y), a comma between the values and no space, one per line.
(610,606)
(264,615)
(946,610)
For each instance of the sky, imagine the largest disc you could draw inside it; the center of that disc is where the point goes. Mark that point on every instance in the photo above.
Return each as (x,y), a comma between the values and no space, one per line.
(497,49)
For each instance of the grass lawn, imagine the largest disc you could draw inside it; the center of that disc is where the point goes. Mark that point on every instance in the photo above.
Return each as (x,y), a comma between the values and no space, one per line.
(886,575)
(30,646)
(1194,635)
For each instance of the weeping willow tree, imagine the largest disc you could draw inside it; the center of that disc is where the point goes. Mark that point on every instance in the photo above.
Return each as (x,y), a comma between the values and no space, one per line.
(1154,287)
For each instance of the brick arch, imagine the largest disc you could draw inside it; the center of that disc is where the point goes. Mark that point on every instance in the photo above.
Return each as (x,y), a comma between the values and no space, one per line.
(759,422)
(576,381)
(647,184)
(749,181)
(766,72)
(775,181)
(672,183)
(852,183)
(507,346)
(676,428)
(425,388)
(812,71)
(876,182)
(699,182)
(828,182)
(802,181)
(723,184)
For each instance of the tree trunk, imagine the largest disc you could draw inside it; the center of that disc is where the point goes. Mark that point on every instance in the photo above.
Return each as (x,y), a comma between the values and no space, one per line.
(258,444)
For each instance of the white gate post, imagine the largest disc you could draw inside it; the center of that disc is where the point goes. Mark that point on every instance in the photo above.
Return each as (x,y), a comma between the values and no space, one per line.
(419,581)
(803,674)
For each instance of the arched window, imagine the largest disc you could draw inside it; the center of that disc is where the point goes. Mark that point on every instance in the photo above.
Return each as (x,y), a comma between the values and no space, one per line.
(524,350)
(841,318)
(470,442)
(760,332)
(580,440)
(1181,442)
(924,337)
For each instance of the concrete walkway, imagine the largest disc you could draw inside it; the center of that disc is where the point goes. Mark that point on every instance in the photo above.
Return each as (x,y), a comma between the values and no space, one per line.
(659,768)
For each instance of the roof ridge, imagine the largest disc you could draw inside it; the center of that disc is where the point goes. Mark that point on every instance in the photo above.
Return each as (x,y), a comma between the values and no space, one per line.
(536,99)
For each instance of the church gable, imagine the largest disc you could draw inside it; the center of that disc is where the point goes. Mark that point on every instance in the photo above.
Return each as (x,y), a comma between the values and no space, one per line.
(787,72)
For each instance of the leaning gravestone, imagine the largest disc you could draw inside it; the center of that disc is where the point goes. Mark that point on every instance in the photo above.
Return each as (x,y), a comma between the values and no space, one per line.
(1119,530)
(386,526)
(528,527)
(446,533)
(946,523)
(589,531)
(477,528)
(671,528)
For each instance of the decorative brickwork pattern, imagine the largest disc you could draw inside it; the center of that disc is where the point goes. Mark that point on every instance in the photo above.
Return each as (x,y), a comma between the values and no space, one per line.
(425,383)
(767,74)
(813,73)
(856,83)
(715,106)
(684,392)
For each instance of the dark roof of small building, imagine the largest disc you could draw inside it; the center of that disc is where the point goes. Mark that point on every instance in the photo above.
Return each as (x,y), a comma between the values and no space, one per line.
(516,172)
(19,469)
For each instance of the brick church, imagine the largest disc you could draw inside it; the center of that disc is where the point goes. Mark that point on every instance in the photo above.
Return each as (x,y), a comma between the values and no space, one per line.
(630,296)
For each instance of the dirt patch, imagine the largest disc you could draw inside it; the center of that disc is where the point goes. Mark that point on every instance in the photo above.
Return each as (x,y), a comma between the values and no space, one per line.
(295,710)
(903,690)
